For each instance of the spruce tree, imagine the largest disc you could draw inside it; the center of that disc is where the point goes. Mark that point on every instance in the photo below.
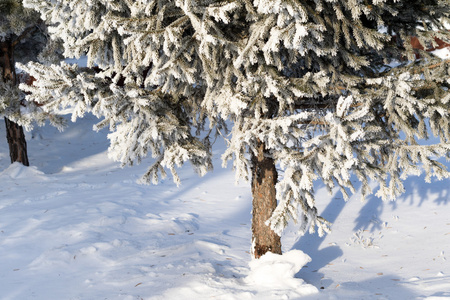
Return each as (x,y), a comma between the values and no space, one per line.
(324,90)
(329,90)
(22,38)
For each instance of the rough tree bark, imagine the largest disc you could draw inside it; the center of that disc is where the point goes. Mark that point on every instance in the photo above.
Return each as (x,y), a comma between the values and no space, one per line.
(264,179)
(14,132)
(17,142)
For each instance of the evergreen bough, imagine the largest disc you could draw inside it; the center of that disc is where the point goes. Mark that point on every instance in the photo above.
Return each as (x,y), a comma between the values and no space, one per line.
(24,37)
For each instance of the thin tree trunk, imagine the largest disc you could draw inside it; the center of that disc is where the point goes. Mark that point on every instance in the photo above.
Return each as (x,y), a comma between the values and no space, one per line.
(264,179)
(17,142)
(14,132)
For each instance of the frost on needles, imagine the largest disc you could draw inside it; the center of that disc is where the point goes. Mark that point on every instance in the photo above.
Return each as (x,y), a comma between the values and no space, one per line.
(332,89)
(127,44)
(23,38)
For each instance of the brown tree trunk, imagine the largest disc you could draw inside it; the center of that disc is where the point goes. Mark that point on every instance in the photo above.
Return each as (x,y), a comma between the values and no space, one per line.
(264,179)
(17,142)
(14,132)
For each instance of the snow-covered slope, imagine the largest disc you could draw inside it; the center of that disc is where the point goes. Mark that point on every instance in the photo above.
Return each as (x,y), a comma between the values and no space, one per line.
(77,226)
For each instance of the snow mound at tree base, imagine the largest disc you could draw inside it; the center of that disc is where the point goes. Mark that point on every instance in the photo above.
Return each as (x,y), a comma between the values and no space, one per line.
(19,171)
(276,272)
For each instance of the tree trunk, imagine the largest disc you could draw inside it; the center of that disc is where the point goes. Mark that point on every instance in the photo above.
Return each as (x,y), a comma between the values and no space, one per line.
(17,142)
(264,179)
(14,132)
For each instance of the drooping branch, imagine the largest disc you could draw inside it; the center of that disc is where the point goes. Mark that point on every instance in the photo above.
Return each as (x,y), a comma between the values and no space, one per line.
(29,30)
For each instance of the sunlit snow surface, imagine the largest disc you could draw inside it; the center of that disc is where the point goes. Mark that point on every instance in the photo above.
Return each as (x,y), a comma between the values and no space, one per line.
(75,225)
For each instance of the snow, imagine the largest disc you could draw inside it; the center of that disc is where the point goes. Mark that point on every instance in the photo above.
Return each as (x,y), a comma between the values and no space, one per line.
(75,225)
(443,53)
(274,272)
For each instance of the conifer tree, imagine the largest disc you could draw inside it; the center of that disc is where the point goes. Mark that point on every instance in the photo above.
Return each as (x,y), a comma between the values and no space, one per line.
(323,90)
(22,38)
(329,90)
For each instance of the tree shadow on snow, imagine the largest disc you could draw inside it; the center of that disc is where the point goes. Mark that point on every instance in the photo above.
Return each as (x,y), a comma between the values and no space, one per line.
(417,191)
(51,150)
(311,245)
(380,287)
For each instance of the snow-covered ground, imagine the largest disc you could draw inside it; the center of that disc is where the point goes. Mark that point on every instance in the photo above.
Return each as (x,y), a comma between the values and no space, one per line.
(75,225)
